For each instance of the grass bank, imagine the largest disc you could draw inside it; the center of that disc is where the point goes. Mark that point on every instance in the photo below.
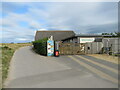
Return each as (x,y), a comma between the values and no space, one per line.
(7,51)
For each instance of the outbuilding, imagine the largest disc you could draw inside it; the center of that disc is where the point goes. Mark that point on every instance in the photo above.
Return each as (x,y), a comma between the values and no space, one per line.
(83,38)
(70,37)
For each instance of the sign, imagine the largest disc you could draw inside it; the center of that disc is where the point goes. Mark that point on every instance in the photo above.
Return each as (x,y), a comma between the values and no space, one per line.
(85,40)
(50,48)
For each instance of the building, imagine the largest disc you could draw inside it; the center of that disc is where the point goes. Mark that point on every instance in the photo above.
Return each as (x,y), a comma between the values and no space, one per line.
(91,43)
(70,36)
(84,38)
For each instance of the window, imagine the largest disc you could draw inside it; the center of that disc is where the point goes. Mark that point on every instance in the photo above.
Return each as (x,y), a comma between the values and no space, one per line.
(88,48)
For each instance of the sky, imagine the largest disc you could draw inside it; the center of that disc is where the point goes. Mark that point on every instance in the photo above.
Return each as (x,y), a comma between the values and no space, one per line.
(20,20)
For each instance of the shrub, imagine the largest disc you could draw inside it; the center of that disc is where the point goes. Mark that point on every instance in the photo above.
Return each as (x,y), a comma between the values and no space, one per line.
(40,46)
(5,48)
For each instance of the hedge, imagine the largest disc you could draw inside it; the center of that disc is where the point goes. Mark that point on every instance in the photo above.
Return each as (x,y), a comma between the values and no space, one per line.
(40,46)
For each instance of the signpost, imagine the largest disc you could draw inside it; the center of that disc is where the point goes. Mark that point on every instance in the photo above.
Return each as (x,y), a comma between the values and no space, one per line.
(50,47)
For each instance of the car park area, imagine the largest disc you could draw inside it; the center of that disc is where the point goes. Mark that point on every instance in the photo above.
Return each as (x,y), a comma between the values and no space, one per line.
(31,70)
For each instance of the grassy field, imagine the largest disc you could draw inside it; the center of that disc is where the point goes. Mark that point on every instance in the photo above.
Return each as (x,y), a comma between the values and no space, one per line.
(7,51)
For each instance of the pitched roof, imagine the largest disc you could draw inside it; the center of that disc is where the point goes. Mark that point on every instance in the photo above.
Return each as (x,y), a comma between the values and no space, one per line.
(57,35)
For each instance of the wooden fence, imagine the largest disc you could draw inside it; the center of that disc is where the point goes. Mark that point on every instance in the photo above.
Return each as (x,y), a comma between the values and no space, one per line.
(71,48)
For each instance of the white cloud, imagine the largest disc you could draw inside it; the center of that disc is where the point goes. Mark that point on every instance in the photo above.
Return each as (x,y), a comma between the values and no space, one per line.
(60,1)
(22,39)
(42,29)
(80,17)
(12,20)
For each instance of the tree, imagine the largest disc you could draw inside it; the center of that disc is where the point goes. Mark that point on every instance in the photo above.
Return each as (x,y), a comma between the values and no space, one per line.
(117,34)
(108,33)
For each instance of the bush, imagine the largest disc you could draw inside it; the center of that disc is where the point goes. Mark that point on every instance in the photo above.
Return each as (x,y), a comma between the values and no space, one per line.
(5,48)
(40,46)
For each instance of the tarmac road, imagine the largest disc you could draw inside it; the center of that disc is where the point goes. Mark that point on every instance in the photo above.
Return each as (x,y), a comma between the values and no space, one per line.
(30,70)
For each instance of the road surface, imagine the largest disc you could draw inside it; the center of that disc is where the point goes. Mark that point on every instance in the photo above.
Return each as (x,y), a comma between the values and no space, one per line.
(30,70)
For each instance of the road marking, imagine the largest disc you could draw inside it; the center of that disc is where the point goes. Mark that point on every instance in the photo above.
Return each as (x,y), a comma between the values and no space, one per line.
(94,70)
(101,65)
(112,61)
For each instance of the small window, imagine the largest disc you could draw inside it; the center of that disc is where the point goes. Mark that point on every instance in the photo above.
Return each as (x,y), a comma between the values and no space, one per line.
(88,48)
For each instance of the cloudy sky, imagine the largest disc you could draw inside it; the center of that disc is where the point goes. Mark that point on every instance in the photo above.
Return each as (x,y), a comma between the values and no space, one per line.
(20,20)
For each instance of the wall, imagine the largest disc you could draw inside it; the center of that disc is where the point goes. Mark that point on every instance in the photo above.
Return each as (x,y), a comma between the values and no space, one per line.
(77,39)
(108,45)
(93,48)
(71,40)
(112,43)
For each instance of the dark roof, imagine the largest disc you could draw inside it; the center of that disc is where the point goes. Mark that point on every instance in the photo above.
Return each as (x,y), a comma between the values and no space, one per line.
(88,35)
(92,35)
(84,35)
(107,35)
(99,37)
(57,35)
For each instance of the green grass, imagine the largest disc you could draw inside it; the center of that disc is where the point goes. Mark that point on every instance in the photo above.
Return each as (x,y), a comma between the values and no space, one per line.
(7,51)
(7,54)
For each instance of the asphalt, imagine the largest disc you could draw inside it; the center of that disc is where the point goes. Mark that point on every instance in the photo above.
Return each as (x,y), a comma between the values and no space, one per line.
(30,70)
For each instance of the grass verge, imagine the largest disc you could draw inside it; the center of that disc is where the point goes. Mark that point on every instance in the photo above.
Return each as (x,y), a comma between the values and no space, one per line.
(7,51)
